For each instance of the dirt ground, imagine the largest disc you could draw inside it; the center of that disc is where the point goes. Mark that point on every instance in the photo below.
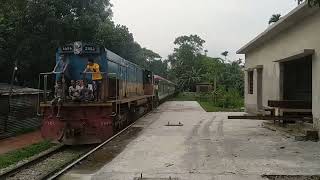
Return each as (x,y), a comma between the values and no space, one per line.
(19,141)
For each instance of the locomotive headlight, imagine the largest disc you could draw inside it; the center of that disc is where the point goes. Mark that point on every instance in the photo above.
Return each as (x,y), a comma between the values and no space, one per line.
(77,47)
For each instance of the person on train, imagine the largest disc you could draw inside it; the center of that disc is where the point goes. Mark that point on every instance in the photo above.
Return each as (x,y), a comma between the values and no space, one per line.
(86,94)
(62,65)
(94,68)
(58,97)
(74,91)
(80,84)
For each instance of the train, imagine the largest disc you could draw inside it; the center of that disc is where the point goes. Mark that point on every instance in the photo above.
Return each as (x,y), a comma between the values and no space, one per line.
(124,92)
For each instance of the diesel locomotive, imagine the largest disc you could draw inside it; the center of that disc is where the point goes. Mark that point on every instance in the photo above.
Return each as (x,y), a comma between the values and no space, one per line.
(112,93)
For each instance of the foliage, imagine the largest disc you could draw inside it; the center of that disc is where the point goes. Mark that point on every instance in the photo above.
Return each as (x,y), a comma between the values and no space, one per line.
(314,2)
(210,107)
(193,42)
(227,98)
(186,96)
(274,18)
(21,154)
(299,1)
(185,61)
(190,66)
(31,30)
(310,2)
(221,100)
(225,54)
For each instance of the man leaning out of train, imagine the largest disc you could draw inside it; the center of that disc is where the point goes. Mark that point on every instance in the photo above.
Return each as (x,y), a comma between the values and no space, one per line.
(94,68)
(58,97)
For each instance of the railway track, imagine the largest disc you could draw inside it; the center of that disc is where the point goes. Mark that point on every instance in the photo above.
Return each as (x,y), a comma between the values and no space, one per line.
(54,163)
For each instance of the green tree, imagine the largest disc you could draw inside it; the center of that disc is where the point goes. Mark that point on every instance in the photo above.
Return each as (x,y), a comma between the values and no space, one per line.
(34,29)
(313,2)
(225,54)
(190,78)
(274,18)
(310,2)
(31,30)
(299,1)
(194,42)
(185,60)
(226,75)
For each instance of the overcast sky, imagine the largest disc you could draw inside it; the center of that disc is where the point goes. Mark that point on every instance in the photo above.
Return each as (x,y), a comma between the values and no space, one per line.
(224,24)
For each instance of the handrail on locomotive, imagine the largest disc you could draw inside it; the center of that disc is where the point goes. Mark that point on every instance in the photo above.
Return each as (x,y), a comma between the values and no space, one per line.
(64,97)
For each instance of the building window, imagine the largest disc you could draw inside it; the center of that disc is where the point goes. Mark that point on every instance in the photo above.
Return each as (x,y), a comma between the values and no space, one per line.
(250,82)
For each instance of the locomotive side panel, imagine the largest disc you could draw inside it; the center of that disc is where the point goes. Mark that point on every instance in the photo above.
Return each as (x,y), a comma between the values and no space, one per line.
(164,88)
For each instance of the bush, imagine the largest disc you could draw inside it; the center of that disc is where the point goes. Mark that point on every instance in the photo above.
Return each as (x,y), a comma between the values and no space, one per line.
(223,98)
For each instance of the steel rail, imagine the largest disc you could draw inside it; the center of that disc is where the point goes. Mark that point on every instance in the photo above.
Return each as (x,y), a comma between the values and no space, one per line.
(31,161)
(62,171)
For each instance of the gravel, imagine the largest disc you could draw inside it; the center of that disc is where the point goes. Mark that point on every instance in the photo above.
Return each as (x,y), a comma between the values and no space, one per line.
(49,165)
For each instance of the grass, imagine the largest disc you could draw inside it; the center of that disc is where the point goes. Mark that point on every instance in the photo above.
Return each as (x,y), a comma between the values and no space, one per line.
(209,107)
(185,97)
(206,104)
(15,156)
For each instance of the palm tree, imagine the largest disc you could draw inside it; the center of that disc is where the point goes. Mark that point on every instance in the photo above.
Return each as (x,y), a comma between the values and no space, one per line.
(299,1)
(274,18)
(189,79)
(225,54)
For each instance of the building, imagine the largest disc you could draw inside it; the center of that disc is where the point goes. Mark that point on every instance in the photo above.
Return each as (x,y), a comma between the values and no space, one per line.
(283,62)
(18,112)
(203,87)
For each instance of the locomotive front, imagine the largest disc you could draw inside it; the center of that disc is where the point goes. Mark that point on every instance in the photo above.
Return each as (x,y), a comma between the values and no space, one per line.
(77,111)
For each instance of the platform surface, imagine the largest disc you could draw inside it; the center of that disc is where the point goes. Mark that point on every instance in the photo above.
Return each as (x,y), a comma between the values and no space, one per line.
(207,147)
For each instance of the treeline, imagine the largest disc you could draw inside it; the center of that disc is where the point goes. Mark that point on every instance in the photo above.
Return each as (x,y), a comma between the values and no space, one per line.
(31,30)
(190,65)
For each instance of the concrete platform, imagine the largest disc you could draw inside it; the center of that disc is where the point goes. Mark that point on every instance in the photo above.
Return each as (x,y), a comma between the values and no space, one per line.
(207,147)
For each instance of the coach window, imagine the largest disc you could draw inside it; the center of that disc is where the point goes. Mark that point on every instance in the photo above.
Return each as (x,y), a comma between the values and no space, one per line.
(250,82)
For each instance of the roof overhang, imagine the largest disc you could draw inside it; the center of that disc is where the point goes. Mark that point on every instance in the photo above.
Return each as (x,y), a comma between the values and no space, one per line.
(293,17)
(253,68)
(297,55)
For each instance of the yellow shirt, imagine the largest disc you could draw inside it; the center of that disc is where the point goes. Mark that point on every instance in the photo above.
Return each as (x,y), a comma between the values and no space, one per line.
(95,68)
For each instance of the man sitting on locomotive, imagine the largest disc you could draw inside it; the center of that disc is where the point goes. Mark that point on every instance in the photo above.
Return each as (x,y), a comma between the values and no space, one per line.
(86,94)
(94,68)
(58,97)
(74,91)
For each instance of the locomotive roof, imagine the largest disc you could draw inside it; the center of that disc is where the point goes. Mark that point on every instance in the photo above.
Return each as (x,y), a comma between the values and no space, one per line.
(118,59)
(111,56)
(157,77)
(17,90)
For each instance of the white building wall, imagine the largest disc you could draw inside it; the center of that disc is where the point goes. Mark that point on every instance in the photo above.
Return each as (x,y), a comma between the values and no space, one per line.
(304,35)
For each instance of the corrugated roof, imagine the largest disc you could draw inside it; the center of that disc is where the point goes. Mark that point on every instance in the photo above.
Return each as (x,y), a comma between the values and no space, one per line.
(287,21)
(17,90)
